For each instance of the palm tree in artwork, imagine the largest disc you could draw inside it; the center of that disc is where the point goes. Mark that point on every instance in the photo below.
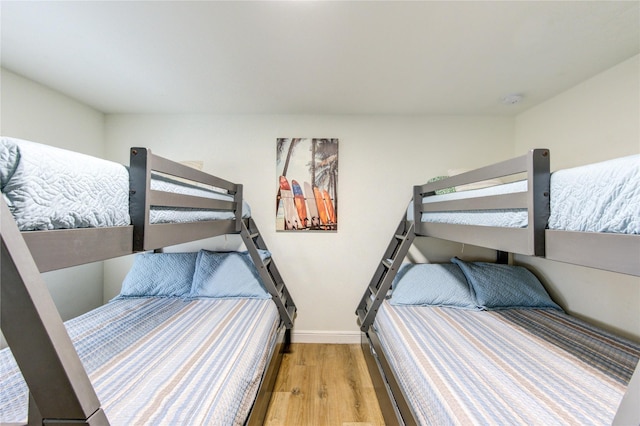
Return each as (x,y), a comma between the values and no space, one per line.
(282,142)
(280,147)
(324,166)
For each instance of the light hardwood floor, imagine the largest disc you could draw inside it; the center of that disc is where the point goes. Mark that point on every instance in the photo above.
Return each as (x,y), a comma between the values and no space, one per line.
(324,385)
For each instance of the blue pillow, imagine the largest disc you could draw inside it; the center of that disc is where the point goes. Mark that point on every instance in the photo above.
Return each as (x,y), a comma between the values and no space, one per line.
(228,275)
(431,285)
(160,274)
(498,286)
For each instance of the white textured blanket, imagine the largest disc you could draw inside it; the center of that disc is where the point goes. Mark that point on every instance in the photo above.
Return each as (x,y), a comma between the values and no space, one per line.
(51,188)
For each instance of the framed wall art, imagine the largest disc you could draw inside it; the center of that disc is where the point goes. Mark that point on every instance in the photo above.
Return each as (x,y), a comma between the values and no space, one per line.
(307,184)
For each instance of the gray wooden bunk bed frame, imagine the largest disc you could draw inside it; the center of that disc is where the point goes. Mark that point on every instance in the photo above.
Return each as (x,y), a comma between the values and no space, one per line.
(612,252)
(59,389)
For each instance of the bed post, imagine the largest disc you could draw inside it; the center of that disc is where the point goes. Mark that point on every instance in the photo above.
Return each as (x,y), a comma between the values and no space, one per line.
(538,175)
(629,411)
(59,386)
(502,257)
(35,418)
(237,198)
(139,172)
(417,209)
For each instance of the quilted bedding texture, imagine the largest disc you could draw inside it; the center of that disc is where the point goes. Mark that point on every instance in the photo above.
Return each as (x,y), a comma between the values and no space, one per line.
(51,188)
(165,360)
(600,197)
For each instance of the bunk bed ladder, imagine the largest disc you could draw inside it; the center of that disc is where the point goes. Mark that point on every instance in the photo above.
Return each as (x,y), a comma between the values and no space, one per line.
(268,272)
(385,273)
(37,337)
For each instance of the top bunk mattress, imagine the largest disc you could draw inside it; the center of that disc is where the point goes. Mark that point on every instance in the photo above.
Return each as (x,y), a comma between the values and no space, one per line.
(600,197)
(51,188)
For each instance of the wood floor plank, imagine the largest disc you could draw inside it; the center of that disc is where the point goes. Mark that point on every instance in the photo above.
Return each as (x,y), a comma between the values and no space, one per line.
(324,385)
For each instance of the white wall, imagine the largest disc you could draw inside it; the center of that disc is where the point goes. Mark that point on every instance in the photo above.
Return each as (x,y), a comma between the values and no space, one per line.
(34,112)
(380,159)
(594,121)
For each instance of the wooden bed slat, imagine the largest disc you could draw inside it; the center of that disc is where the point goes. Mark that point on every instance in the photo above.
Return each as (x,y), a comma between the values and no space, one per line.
(163,165)
(169,199)
(62,248)
(517,200)
(611,252)
(504,239)
(167,234)
(501,169)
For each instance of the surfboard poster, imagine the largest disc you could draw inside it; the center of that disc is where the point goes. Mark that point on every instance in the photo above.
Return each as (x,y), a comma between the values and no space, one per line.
(306,184)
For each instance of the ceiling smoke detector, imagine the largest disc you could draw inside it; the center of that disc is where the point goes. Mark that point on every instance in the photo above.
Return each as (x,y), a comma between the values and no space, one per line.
(512,99)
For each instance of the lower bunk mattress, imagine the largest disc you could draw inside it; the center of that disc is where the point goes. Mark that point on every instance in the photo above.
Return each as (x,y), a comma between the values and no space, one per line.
(165,360)
(517,366)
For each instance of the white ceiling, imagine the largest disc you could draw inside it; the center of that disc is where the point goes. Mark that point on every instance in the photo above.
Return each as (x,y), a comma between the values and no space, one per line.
(315,57)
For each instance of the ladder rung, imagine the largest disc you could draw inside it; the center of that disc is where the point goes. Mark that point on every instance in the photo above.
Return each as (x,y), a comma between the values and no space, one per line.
(281,288)
(387,263)
(373,289)
(370,301)
(254,235)
(400,236)
(266,262)
(291,310)
(284,299)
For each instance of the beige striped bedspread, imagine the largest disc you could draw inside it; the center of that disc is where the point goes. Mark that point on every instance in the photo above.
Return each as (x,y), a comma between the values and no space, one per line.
(165,361)
(535,367)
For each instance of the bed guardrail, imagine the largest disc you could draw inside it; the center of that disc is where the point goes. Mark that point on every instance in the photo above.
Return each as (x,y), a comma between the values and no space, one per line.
(529,240)
(148,236)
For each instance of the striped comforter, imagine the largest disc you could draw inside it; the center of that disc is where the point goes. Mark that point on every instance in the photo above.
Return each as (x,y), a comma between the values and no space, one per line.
(165,360)
(505,367)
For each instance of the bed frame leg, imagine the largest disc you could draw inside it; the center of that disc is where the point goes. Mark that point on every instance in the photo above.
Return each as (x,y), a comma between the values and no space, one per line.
(34,414)
(629,410)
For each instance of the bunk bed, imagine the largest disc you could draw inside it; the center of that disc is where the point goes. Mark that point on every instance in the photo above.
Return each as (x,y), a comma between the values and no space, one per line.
(172,345)
(474,342)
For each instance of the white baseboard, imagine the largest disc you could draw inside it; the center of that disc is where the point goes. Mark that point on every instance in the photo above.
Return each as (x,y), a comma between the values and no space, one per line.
(321,336)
